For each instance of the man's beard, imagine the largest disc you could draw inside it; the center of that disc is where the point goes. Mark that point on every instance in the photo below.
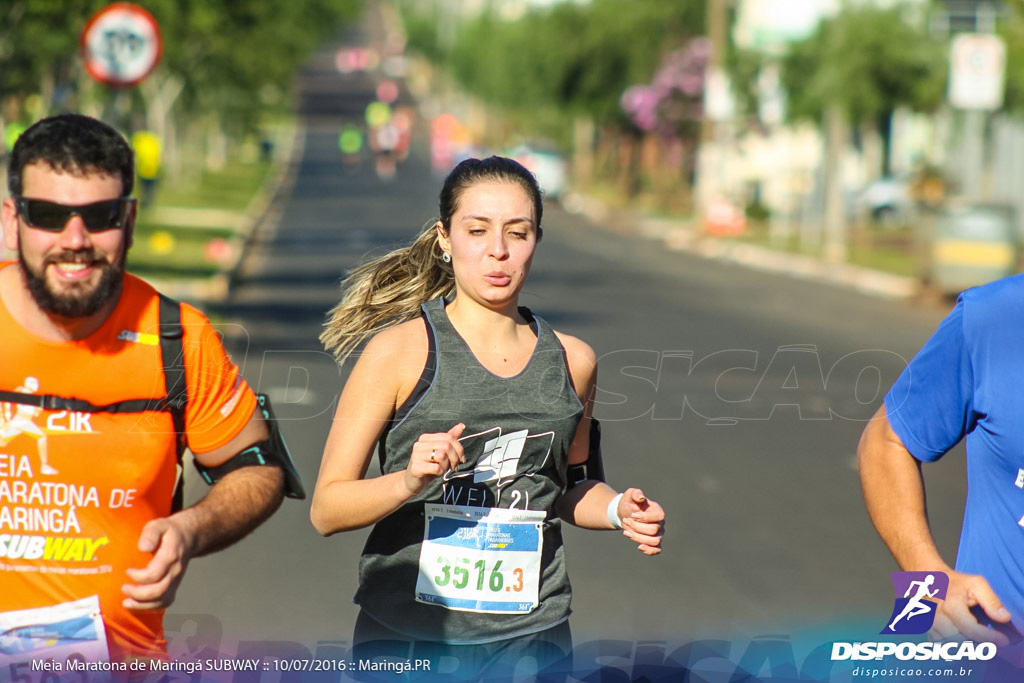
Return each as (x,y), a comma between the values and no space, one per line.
(74,304)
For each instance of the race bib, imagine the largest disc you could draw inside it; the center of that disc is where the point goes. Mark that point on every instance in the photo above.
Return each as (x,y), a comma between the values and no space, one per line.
(480,559)
(72,630)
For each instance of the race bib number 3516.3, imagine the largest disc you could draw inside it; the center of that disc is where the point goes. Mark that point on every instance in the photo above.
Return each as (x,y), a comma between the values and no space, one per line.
(481,559)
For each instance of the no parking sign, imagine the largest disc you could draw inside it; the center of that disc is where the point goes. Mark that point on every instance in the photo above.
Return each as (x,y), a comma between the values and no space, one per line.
(121,45)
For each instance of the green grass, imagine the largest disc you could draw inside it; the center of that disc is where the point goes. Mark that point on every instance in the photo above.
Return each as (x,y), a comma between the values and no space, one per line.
(231,188)
(887,260)
(873,247)
(182,255)
(186,258)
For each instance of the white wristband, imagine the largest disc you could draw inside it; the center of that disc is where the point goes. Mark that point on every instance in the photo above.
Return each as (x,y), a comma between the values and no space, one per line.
(613,512)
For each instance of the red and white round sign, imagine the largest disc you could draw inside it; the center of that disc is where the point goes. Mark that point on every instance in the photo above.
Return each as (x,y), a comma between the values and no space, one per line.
(121,45)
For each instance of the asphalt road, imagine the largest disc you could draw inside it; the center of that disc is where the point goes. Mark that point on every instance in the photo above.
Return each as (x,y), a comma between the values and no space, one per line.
(735,398)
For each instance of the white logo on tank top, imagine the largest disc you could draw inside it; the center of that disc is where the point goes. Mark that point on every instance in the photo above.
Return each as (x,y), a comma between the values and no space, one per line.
(501,459)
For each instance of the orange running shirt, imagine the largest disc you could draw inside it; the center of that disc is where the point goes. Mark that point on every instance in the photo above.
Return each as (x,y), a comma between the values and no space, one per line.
(69,527)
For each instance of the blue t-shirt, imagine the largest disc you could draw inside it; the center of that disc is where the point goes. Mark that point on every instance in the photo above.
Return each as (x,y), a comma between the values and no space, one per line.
(968,380)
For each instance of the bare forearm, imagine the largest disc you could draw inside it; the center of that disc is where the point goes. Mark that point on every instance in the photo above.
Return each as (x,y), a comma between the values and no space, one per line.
(895,497)
(232,508)
(586,505)
(348,505)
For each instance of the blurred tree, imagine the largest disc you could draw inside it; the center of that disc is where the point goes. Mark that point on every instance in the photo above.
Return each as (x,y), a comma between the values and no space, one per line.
(578,58)
(857,68)
(38,48)
(671,107)
(237,55)
(1012,31)
(227,64)
(560,69)
(229,59)
(867,61)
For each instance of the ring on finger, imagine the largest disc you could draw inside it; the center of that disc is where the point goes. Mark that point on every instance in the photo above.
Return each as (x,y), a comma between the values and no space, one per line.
(433,453)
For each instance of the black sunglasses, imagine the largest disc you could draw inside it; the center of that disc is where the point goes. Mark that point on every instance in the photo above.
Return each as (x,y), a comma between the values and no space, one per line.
(98,216)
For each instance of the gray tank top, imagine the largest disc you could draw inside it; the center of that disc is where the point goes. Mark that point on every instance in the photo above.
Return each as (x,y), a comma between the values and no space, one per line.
(516,442)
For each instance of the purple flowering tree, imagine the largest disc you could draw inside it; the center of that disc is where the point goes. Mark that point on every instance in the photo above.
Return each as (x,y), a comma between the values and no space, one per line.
(670,108)
(672,104)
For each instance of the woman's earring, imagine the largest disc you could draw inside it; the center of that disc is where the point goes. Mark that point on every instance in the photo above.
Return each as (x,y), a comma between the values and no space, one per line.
(446,257)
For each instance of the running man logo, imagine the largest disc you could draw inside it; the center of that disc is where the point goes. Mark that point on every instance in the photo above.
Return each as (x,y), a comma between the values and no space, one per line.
(917,599)
(17,419)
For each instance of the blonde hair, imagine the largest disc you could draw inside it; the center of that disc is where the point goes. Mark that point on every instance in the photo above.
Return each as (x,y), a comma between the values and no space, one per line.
(387,291)
(390,289)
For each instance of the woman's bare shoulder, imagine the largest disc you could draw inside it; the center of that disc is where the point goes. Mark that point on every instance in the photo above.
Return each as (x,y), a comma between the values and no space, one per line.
(401,338)
(397,355)
(576,347)
(580,358)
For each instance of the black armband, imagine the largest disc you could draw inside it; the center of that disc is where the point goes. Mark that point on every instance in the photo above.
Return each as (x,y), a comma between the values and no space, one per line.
(593,468)
(273,452)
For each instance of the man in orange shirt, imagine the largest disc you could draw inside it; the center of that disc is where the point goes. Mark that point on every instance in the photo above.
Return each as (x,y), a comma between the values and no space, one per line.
(91,547)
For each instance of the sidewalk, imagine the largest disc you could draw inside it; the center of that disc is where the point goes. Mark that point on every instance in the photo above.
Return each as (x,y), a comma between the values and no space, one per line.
(683,236)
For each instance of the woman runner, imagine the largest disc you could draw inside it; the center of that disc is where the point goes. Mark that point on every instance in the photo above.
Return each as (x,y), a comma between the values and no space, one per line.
(482,414)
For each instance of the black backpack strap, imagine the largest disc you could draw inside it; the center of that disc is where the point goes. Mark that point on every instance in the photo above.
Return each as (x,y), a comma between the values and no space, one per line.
(80,405)
(172,357)
(172,354)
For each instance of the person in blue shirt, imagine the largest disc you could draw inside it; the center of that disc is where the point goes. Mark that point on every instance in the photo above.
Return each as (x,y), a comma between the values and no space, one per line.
(966,383)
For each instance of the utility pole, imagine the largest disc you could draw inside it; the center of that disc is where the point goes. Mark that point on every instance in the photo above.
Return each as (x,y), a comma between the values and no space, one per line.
(834,220)
(716,32)
(709,159)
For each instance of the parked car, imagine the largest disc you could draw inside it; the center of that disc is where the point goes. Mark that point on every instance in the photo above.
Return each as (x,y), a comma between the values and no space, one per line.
(547,164)
(888,201)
